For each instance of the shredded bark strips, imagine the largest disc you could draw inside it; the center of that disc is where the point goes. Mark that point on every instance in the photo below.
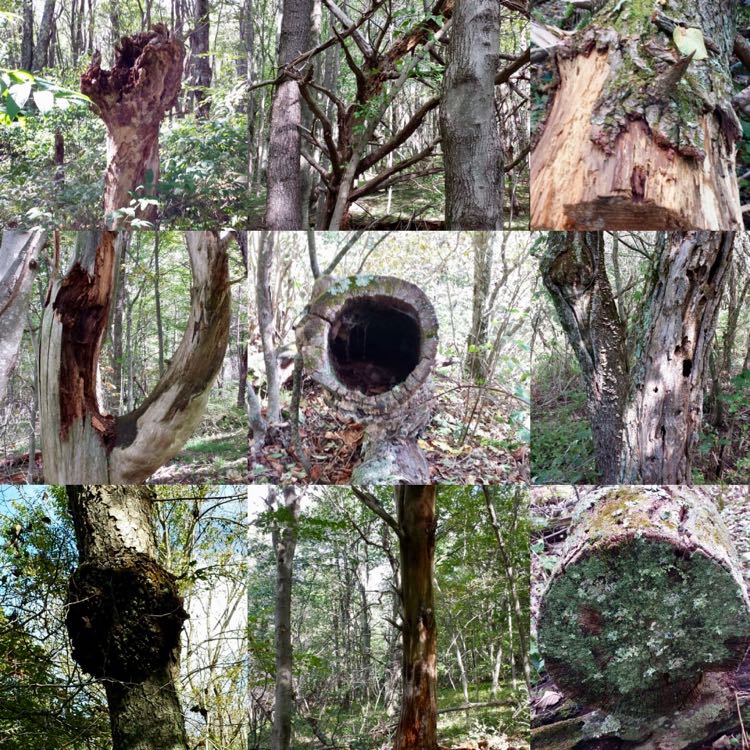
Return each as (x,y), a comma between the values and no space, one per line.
(132,99)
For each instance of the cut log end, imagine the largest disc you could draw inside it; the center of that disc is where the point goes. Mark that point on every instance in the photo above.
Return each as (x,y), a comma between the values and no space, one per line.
(646,600)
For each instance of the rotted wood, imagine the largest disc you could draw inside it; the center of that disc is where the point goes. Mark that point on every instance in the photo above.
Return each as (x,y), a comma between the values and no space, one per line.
(647,609)
(637,135)
(371,342)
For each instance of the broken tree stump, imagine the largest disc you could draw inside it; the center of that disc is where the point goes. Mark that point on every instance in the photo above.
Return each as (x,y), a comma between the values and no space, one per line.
(371,342)
(647,598)
(132,99)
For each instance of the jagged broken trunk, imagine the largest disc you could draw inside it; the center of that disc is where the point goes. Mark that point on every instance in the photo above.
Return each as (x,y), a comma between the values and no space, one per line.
(132,99)
(80,442)
(637,135)
(124,616)
(647,598)
(371,342)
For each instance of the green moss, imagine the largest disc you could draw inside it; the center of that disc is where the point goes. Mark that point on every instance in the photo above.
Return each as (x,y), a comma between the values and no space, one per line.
(633,628)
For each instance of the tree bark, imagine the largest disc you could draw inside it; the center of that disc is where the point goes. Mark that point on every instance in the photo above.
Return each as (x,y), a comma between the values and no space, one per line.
(284,203)
(201,62)
(284,538)
(665,406)
(27,35)
(647,597)
(132,99)
(80,442)
(574,273)
(470,138)
(636,135)
(476,357)
(42,57)
(417,727)
(124,616)
(19,261)
(264,309)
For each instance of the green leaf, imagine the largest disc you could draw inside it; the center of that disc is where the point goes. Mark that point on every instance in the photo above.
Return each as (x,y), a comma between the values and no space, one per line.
(44,100)
(690,40)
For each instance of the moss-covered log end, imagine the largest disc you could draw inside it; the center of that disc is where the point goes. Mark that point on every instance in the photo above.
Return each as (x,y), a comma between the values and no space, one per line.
(646,600)
(124,620)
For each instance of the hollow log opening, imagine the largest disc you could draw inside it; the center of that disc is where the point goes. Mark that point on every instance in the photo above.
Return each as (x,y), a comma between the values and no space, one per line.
(374,343)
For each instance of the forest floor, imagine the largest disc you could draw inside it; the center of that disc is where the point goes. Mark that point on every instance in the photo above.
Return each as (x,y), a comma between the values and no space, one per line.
(490,450)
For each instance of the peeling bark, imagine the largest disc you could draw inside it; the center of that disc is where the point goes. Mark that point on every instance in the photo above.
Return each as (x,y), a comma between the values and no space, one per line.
(637,136)
(574,273)
(470,138)
(665,406)
(132,99)
(124,615)
(19,261)
(80,443)
(417,726)
(647,597)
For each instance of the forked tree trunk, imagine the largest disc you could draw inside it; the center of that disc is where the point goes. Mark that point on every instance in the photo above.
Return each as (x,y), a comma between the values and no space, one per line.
(665,406)
(132,99)
(283,203)
(80,443)
(636,135)
(124,616)
(647,597)
(574,273)
(19,259)
(417,726)
(468,124)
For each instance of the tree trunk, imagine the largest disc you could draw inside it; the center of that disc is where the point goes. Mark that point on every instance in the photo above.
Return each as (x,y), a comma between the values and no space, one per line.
(124,616)
(637,136)
(476,357)
(27,35)
(157,305)
(647,597)
(132,99)
(665,406)
(80,443)
(264,309)
(201,61)
(417,727)
(283,203)
(284,540)
(574,273)
(42,58)
(471,142)
(19,261)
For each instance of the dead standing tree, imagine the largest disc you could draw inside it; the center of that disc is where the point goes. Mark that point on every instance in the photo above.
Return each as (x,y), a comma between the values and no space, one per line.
(132,99)
(371,342)
(639,135)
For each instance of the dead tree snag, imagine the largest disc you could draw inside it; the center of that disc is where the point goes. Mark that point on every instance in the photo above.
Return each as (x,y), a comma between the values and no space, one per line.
(132,99)
(647,598)
(79,442)
(638,135)
(371,342)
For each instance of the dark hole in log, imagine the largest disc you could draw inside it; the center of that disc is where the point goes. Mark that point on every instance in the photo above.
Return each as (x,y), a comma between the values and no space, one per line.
(687,366)
(374,344)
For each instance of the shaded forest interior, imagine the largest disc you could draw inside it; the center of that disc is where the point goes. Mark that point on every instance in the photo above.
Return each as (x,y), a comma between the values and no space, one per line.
(635,267)
(144,327)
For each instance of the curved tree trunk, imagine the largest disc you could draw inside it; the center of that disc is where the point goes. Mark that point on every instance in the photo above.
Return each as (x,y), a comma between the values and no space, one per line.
(80,443)
(19,254)
(138,609)
(574,273)
(468,124)
(647,597)
(665,406)
(636,135)
(132,99)
(417,726)
(284,202)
